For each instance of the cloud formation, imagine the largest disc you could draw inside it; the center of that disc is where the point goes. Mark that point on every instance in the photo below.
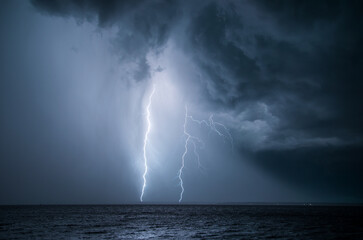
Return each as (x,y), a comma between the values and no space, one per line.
(284,76)
(294,64)
(287,73)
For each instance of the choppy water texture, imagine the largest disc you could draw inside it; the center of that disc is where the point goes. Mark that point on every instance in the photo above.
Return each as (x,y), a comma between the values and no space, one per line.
(180,222)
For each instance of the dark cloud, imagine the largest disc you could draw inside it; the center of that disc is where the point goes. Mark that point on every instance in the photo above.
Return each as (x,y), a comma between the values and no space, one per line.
(300,59)
(330,172)
(305,16)
(301,63)
(143,25)
(284,76)
(227,68)
(105,11)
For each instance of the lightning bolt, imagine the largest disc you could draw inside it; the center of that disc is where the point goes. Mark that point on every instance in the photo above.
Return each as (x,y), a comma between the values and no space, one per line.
(189,138)
(146,141)
(212,125)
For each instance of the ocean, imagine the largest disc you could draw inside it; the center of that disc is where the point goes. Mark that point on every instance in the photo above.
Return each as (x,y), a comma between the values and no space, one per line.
(181,222)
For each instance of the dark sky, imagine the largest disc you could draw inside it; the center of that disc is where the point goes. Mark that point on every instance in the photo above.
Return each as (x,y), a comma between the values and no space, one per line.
(283,77)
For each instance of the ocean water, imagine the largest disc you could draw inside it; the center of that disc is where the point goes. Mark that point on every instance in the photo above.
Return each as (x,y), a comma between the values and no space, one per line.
(181,222)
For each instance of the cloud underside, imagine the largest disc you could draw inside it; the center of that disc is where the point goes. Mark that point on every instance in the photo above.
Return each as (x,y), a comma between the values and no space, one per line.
(281,74)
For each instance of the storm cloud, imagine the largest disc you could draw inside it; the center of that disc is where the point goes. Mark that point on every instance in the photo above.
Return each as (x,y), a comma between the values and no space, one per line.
(283,76)
(279,67)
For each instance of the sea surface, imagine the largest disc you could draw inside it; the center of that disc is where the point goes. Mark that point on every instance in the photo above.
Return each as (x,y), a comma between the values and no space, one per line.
(181,222)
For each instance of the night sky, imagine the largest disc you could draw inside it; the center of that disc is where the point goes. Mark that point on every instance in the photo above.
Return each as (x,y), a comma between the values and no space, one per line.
(282,80)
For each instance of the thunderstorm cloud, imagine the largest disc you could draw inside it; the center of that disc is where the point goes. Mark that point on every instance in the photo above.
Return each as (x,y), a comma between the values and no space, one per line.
(285,77)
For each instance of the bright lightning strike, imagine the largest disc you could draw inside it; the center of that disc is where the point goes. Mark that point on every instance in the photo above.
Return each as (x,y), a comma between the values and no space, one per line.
(146,141)
(212,125)
(189,138)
